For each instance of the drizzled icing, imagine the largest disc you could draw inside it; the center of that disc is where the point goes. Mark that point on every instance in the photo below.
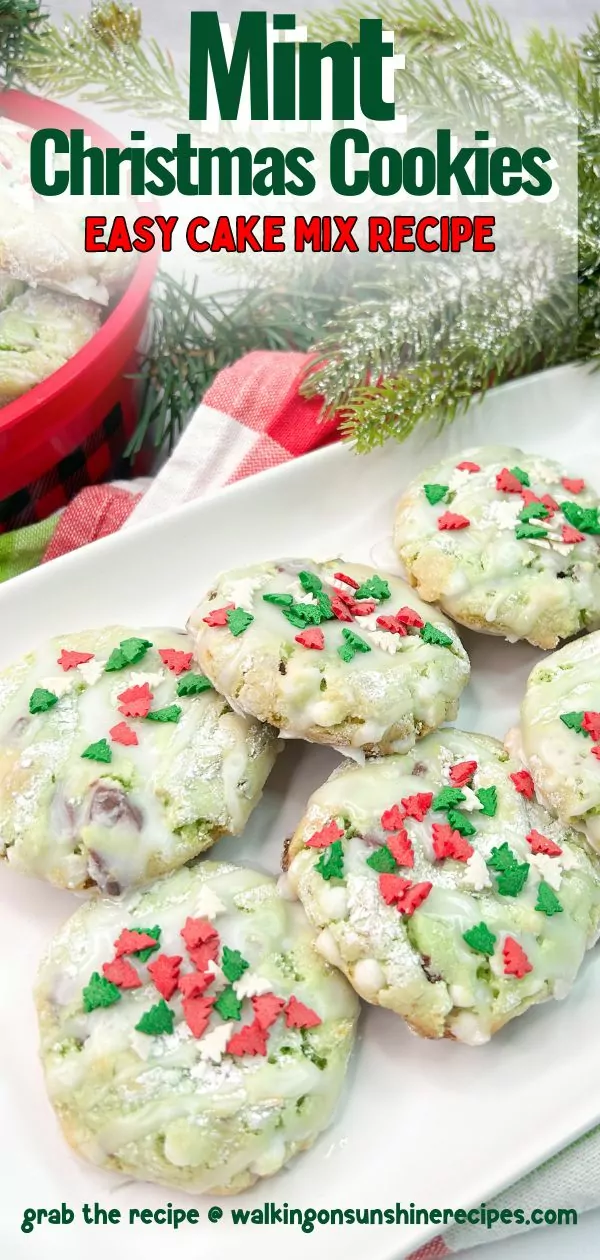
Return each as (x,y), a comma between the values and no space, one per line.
(177,1108)
(356,684)
(559,757)
(422,952)
(78,806)
(507,573)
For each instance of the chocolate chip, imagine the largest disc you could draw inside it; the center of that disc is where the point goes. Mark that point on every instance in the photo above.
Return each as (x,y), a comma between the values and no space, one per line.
(110,805)
(419,768)
(282,667)
(432,976)
(101,875)
(285,858)
(373,842)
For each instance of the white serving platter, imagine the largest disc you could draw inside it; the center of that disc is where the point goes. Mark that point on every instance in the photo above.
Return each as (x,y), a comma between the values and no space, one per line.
(428,1123)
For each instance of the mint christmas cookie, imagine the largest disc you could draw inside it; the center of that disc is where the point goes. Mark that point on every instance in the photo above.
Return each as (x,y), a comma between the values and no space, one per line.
(334,653)
(39,332)
(507,543)
(190,1035)
(560,733)
(442,889)
(118,760)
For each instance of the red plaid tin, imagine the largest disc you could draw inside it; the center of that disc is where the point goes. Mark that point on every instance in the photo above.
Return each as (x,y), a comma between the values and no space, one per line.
(70,431)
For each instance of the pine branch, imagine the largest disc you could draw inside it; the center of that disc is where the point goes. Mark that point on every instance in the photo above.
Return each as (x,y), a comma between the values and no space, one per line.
(103,59)
(19,19)
(485,339)
(419,357)
(194,337)
(460,68)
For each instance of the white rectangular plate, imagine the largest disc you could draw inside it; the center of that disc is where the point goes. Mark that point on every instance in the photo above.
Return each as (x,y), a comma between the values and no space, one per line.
(438,1124)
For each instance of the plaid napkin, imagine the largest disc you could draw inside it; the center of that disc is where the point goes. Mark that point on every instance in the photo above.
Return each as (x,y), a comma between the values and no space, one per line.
(253,418)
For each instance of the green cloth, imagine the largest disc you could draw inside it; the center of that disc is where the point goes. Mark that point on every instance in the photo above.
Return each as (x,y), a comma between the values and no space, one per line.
(23,548)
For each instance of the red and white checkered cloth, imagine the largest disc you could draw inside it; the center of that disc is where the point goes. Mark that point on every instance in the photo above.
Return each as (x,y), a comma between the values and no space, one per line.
(254,418)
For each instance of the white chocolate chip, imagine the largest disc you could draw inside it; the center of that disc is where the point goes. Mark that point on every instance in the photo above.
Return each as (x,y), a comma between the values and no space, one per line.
(368,977)
(460,995)
(334,902)
(326,946)
(287,887)
(467,1028)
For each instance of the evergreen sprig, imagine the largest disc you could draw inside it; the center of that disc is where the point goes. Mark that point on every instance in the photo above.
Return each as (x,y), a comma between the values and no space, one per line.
(193,337)
(394,347)
(19,20)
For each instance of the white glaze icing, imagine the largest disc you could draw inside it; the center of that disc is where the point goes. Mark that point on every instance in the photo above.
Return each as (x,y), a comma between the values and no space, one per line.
(424,959)
(75,821)
(542,590)
(187,1113)
(381,699)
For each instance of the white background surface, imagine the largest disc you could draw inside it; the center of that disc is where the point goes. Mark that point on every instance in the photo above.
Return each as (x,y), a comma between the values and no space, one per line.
(435,1122)
(168,22)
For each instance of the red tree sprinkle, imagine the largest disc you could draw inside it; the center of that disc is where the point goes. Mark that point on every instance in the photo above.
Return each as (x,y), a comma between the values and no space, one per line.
(312,638)
(467,466)
(450,844)
(462,773)
(529,496)
(326,836)
(196,1013)
(69,660)
(136,701)
(506,481)
(177,662)
(416,806)
(202,942)
(132,942)
(297,1015)
(165,974)
(121,973)
(194,983)
(414,897)
(572,535)
(392,887)
(574,485)
(393,624)
(516,962)
(340,608)
(393,819)
(267,1007)
(123,734)
(400,847)
(218,616)
(452,520)
(249,1040)
(542,844)
(523,783)
(410,618)
(550,503)
(363,607)
(591,724)
(343,577)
